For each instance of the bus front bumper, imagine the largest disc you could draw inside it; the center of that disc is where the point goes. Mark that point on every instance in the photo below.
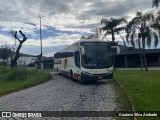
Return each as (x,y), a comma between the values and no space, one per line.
(95,77)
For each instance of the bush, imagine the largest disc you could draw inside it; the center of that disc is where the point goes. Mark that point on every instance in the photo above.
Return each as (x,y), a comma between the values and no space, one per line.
(31,65)
(19,74)
(4,70)
(20,78)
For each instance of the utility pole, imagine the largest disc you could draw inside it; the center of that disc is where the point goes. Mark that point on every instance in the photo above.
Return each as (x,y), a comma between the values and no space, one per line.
(40,34)
(40,39)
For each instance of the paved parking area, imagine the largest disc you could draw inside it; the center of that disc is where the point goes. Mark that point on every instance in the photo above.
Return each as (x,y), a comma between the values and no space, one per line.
(62,94)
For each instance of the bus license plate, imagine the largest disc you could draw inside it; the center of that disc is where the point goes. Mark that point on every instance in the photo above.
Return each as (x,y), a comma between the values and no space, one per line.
(100,77)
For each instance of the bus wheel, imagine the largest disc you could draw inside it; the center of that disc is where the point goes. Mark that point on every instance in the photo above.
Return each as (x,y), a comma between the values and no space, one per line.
(71,75)
(58,71)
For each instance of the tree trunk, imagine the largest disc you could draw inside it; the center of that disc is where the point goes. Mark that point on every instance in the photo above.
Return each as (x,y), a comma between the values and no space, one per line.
(125,47)
(145,60)
(14,60)
(113,37)
(144,53)
(140,54)
(114,67)
(141,59)
(126,62)
(13,63)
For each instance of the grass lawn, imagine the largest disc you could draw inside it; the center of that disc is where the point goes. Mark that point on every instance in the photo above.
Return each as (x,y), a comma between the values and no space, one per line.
(143,87)
(16,79)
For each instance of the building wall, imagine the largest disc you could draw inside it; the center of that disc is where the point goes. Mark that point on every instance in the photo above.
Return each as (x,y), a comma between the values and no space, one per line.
(159,58)
(133,60)
(25,60)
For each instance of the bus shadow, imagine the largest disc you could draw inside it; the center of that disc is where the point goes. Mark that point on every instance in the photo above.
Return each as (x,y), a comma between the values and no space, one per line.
(102,82)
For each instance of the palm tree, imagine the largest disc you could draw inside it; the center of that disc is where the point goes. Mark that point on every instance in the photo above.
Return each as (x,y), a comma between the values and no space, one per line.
(111,27)
(130,30)
(143,23)
(155,3)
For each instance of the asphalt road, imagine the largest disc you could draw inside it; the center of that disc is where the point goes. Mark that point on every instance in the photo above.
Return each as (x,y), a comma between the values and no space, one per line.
(62,94)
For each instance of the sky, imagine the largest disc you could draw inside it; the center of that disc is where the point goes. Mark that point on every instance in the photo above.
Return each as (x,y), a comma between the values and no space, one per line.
(63,21)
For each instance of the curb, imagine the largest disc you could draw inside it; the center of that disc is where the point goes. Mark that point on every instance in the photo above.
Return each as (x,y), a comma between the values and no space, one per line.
(128,97)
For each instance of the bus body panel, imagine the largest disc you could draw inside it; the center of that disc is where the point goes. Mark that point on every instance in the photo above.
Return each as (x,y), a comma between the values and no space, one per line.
(65,62)
(66,66)
(96,74)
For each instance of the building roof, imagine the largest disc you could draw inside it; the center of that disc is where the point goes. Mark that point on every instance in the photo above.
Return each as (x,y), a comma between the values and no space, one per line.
(136,51)
(45,59)
(26,55)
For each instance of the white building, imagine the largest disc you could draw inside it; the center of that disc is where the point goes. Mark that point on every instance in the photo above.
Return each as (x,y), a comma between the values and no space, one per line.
(25,59)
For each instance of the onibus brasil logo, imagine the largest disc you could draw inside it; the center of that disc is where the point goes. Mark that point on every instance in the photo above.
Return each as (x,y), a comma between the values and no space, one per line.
(21,114)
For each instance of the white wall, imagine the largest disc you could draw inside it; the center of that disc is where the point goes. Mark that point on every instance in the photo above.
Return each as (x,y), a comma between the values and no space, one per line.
(23,60)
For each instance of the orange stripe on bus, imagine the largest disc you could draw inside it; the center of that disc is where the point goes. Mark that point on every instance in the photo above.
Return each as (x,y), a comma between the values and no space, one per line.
(77,76)
(64,72)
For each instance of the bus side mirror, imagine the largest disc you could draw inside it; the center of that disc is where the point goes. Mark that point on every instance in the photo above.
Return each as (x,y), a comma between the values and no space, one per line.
(82,50)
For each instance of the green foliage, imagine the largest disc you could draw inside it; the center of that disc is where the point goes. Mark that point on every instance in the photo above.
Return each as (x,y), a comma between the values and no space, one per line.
(155,3)
(111,26)
(142,87)
(139,29)
(5,52)
(19,74)
(139,23)
(4,70)
(20,78)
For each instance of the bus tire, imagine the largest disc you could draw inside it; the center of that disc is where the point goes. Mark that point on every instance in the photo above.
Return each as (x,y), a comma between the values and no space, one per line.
(71,75)
(58,71)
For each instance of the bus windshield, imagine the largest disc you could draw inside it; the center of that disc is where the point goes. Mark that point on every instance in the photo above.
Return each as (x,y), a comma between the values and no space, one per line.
(98,55)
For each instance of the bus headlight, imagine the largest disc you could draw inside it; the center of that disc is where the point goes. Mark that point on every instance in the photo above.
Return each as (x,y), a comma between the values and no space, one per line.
(87,73)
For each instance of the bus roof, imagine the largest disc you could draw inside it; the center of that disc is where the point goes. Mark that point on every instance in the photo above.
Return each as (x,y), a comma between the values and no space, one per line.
(83,40)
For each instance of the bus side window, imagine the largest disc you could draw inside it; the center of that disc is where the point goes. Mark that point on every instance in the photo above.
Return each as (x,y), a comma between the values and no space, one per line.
(77,59)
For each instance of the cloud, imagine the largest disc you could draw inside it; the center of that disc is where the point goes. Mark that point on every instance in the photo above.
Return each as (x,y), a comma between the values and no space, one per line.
(63,21)
(112,8)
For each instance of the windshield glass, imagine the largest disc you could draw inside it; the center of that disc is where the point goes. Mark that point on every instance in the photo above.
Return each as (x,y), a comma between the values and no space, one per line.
(97,55)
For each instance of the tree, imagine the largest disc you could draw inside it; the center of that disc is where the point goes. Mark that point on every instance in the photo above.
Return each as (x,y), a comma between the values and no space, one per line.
(155,3)
(142,23)
(130,29)
(17,54)
(111,27)
(5,52)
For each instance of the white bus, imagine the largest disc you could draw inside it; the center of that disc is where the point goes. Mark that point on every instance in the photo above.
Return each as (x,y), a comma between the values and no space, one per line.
(85,60)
